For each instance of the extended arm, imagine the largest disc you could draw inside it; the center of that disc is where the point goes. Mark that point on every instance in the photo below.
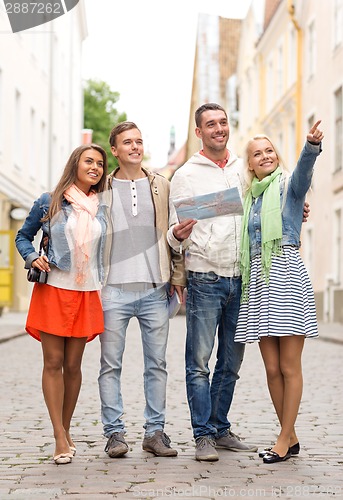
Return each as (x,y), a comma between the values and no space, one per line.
(302,175)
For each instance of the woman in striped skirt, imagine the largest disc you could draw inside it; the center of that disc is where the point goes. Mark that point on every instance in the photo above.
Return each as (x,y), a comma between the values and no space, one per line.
(277,305)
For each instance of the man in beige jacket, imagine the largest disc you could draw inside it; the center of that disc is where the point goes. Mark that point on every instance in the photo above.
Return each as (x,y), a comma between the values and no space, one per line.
(141,264)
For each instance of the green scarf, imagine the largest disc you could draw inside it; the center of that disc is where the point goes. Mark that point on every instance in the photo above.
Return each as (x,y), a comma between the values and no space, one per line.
(271,226)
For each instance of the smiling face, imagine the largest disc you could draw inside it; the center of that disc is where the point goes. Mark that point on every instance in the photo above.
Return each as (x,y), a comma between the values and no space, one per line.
(90,169)
(262,158)
(214,132)
(128,148)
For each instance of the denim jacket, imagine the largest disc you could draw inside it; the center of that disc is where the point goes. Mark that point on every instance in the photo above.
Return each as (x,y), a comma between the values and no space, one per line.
(58,249)
(292,213)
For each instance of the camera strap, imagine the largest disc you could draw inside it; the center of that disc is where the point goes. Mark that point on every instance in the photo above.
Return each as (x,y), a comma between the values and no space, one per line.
(34,275)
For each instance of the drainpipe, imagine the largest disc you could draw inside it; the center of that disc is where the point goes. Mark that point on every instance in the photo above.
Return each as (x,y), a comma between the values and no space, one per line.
(298,121)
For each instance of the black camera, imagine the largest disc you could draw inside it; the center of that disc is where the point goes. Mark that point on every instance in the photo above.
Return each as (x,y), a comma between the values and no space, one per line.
(36,276)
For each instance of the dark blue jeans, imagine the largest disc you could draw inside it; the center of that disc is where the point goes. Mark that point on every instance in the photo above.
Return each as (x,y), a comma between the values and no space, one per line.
(212,306)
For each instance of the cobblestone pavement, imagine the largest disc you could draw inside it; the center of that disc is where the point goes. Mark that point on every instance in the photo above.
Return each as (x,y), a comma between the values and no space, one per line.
(28,472)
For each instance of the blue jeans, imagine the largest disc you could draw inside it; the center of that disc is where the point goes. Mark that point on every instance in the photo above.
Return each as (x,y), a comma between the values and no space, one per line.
(151,310)
(212,303)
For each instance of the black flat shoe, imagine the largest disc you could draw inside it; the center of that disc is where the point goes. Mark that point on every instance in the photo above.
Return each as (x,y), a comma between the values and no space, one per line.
(264,452)
(295,449)
(272,457)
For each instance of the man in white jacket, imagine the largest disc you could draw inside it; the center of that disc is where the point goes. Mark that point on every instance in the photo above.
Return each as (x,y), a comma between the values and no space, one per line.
(213,285)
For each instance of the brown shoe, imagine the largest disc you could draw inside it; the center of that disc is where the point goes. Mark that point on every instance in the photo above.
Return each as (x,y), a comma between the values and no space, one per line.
(231,441)
(205,449)
(116,445)
(159,445)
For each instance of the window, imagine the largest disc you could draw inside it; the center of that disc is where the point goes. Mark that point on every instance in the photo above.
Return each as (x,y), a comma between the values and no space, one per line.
(43,162)
(280,63)
(338,22)
(292,57)
(270,84)
(280,144)
(308,251)
(311,49)
(337,246)
(1,110)
(249,97)
(310,123)
(32,169)
(338,130)
(17,136)
(291,146)
(55,163)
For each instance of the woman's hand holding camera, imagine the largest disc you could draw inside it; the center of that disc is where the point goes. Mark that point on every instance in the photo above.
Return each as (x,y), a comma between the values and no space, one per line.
(42,264)
(38,272)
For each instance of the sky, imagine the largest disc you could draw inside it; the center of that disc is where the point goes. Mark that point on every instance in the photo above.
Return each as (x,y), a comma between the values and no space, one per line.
(144,49)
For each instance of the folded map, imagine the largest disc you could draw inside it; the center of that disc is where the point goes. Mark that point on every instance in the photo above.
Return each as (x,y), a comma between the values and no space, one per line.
(205,206)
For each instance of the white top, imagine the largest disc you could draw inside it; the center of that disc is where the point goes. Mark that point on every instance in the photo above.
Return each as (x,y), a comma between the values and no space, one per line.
(67,280)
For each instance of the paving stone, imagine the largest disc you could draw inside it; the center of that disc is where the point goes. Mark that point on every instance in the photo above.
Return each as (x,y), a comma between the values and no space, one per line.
(27,470)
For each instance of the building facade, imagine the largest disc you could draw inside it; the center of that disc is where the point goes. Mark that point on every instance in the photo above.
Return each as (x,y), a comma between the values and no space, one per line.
(289,76)
(214,68)
(41,118)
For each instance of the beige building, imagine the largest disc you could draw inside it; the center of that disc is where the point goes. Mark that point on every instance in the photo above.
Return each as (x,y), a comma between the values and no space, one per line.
(290,75)
(214,65)
(41,118)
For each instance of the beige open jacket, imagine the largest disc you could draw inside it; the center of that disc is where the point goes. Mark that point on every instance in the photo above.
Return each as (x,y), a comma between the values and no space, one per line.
(171,262)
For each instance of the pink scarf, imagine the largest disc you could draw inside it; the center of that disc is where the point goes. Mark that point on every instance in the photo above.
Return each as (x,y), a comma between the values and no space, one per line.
(86,208)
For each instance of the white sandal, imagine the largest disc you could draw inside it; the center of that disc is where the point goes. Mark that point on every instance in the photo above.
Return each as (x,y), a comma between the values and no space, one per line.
(63,458)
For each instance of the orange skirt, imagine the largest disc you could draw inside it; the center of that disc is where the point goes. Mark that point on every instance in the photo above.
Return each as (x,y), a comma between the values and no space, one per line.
(66,313)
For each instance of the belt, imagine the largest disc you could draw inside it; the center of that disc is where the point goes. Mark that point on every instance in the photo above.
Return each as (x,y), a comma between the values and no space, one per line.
(134,287)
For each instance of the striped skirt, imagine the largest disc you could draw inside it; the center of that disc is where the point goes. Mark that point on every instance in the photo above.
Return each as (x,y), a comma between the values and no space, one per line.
(284,307)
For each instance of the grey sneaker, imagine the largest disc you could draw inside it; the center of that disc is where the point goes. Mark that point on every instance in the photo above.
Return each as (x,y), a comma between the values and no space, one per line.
(159,445)
(116,445)
(205,449)
(233,442)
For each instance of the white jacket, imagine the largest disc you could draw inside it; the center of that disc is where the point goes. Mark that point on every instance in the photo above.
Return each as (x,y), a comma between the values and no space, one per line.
(214,243)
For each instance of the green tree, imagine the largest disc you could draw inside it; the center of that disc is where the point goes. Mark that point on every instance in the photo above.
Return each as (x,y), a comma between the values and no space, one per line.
(100,113)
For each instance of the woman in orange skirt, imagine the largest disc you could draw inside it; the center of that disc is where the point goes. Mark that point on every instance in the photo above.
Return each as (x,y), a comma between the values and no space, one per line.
(65,310)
